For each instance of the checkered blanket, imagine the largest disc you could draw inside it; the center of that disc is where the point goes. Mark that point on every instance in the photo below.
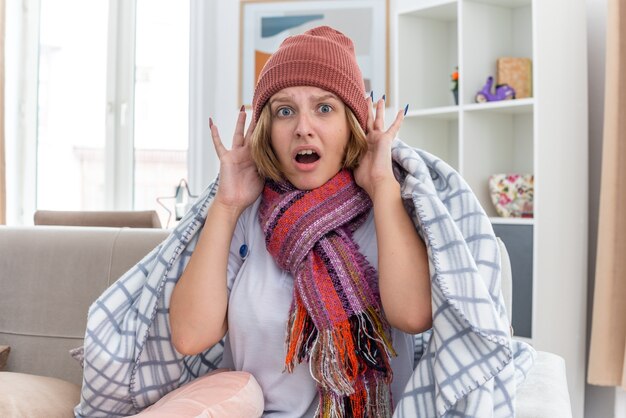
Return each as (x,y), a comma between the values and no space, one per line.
(466,365)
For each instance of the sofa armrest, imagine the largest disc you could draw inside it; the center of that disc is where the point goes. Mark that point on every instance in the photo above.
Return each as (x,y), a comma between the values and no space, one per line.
(544,393)
(50,277)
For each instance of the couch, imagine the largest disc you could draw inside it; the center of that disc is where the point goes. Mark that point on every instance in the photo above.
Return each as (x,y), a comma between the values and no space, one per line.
(49,276)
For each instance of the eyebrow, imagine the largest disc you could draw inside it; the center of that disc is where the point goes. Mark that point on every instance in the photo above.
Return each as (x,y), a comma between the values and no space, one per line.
(287,98)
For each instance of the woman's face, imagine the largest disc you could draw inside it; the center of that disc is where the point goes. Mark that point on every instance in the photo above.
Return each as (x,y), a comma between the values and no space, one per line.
(309,134)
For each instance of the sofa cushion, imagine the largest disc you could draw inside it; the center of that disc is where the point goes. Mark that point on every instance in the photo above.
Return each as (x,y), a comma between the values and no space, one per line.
(25,395)
(220,394)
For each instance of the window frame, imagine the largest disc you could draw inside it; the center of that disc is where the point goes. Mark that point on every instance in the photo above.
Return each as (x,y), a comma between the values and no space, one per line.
(22,146)
(120,106)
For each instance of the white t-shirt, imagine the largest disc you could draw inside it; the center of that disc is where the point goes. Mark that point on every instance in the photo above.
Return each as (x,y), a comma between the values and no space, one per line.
(259,302)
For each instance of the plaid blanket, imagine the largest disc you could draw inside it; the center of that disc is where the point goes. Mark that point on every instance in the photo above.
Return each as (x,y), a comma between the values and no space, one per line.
(467,365)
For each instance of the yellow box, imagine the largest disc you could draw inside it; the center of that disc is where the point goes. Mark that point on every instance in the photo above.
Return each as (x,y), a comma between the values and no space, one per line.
(517,73)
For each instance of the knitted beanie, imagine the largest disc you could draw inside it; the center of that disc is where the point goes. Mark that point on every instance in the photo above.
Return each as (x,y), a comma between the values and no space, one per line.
(321,57)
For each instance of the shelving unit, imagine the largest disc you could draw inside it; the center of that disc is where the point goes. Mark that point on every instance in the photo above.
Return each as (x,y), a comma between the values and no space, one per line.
(544,134)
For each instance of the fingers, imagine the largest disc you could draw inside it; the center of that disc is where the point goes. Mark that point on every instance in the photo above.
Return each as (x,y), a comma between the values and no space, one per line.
(370,115)
(249,131)
(379,121)
(376,121)
(217,142)
(238,138)
(397,123)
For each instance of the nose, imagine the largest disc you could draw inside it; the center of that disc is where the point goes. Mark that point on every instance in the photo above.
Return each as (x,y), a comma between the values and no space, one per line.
(304,126)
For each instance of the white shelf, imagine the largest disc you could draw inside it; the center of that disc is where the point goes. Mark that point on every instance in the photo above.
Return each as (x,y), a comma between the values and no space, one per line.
(491,31)
(511,221)
(444,112)
(432,38)
(511,4)
(516,106)
(435,132)
(436,9)
(427,86)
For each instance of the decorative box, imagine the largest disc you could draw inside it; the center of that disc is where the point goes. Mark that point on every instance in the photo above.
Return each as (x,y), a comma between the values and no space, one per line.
(517,73)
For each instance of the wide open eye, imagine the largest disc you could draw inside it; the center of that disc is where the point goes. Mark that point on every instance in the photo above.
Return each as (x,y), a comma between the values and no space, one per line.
(284,111)
(325,108)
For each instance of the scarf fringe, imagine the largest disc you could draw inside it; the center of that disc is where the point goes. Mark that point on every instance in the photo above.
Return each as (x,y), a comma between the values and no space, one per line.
(339,355)
(333,360)
(371,399)
(299,327)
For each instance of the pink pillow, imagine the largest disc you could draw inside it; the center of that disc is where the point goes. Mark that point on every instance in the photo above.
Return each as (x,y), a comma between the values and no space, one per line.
(217,394)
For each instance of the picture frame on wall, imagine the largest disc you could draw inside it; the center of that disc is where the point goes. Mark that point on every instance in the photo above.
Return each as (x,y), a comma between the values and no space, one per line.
(265,24)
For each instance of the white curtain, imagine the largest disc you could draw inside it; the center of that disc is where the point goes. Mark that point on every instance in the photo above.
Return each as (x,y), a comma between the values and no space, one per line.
(607,355)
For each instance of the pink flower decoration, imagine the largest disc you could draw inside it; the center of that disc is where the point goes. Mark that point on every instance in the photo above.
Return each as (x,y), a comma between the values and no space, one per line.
(512,194)
(504,199)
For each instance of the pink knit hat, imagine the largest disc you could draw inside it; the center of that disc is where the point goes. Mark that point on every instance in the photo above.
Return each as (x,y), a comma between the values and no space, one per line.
(321,57)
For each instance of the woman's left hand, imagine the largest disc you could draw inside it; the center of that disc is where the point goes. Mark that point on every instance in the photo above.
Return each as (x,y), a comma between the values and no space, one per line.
(403,274)
(375,169)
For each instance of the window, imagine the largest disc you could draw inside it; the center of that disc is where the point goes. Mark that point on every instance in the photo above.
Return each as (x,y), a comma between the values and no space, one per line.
(161,100)
(71,104)
(113,103)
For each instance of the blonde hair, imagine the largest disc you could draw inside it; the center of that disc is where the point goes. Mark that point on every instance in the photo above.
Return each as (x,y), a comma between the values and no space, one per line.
(266,161)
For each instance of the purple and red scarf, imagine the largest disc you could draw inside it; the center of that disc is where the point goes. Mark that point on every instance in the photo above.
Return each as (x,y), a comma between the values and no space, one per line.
(336,321)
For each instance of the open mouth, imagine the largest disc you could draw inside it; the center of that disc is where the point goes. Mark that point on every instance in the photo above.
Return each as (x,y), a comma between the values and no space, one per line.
(307,157)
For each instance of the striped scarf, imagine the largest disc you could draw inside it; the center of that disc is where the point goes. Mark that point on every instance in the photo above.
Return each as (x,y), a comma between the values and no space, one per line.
(336,321)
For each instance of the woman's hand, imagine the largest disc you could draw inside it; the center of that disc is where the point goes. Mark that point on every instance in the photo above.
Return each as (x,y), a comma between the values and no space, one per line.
(195,324)
(239,184)
(375,169)
(403,275)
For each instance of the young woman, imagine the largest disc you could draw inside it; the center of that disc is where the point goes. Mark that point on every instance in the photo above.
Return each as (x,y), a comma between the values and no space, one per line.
(308,258)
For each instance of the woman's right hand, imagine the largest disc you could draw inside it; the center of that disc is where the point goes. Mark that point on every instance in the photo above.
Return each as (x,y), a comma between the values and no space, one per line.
(195,324)
(240,183)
